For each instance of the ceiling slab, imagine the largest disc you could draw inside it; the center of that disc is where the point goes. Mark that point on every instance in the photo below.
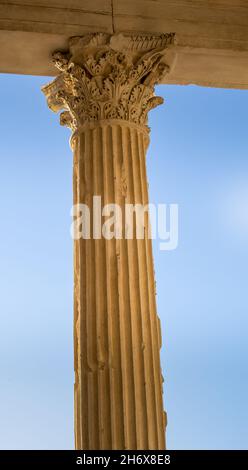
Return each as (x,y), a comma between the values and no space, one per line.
(211,36)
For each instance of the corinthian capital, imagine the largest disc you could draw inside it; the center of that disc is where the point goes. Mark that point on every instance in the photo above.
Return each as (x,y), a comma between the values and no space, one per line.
(106,76)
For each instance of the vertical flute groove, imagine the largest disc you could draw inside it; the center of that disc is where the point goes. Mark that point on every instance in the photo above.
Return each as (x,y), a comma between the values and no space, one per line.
(141,408)
(120,442)
(109,324)
(147,313)
(155,322)
(126,310)
(148,293)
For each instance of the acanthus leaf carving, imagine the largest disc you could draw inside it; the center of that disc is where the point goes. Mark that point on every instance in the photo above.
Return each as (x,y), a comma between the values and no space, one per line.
(108,77)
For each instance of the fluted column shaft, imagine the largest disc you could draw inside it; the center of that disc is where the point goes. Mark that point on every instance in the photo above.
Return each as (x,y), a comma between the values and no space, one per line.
(118,389)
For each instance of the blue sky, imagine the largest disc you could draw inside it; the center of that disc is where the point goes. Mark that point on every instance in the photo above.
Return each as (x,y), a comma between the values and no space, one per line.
(197,159)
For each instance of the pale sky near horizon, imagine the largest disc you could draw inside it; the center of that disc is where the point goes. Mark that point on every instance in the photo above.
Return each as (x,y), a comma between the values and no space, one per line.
(197,159)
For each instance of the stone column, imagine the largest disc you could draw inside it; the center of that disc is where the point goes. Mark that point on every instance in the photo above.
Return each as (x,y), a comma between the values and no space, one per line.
(106,87)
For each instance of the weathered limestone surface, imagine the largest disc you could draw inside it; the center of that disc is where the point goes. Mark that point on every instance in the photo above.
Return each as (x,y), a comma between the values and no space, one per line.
(106,86)
(118,389)
(211,35)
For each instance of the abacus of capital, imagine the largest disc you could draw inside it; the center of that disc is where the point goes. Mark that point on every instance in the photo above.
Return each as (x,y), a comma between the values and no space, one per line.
(105,88)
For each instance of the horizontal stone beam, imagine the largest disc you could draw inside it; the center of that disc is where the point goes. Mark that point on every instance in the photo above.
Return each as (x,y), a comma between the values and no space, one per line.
(211,37)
